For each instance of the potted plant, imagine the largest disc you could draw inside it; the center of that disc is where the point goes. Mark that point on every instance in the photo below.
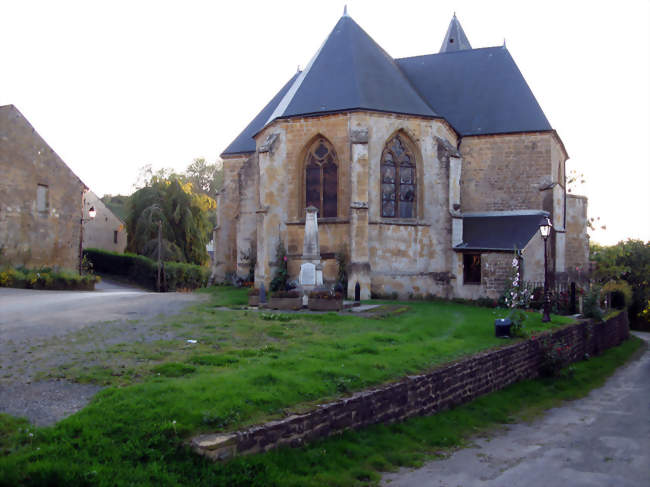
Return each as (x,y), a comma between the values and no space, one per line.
(320,300)
(254,297)
(286,300)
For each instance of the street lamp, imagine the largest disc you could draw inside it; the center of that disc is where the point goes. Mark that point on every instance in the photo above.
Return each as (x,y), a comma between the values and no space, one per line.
(545,230)
(92,213)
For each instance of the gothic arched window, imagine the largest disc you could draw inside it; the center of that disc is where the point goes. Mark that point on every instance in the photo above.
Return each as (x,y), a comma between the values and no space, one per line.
(398,185)
(321,178)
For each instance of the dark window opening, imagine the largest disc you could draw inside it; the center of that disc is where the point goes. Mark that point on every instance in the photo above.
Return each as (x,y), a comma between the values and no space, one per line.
(398,183)
(42,198)
(471,268)
(114,236)
(321,179)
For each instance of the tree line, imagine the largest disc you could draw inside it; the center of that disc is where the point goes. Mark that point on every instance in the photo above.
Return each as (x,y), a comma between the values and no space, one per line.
(183,204)
(627,261)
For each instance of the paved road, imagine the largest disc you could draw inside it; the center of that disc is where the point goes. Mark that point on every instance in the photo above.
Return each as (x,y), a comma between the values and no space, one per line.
(600,440)
(39,330)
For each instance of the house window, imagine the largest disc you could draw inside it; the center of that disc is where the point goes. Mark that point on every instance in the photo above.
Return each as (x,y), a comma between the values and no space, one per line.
(42,198)
(472,268)
(321,178)
(114,236)
(398,183)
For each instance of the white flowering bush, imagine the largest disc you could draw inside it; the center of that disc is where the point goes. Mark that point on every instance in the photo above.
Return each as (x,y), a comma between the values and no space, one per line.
(517,298)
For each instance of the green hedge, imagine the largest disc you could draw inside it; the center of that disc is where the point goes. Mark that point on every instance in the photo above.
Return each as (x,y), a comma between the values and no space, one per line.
(144,271)
(46,278)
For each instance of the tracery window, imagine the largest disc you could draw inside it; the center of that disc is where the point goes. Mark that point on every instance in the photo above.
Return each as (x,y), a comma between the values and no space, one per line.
(321,178)
(398,185)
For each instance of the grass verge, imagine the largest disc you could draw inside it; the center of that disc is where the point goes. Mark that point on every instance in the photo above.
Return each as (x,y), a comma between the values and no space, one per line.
(134,435)
(354,458)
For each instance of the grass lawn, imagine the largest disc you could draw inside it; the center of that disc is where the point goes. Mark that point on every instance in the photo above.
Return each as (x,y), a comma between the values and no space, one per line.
(247,367)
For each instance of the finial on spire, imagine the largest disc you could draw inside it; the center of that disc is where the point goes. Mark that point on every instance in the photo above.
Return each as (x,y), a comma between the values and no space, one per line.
(345,10)
(298,70)
(504,42)
(454,14)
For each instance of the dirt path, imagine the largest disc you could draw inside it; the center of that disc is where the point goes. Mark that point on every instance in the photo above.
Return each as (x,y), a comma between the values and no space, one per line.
(601,440)
(41,330)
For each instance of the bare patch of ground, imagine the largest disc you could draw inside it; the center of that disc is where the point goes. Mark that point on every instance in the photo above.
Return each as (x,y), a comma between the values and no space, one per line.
(44,333)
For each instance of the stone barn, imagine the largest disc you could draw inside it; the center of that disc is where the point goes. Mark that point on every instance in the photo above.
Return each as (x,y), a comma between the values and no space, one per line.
(428,172)
(41,199)
(106,231)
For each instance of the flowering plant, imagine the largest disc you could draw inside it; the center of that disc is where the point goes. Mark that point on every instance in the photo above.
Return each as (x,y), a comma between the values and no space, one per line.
(517,297)
(554,357)
(517,293)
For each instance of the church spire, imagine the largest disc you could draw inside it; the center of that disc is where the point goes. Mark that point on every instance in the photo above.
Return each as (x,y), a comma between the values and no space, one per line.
(455,40)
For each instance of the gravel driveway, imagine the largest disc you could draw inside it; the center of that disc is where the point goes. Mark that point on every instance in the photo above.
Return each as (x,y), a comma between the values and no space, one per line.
(40,330)
(602,440)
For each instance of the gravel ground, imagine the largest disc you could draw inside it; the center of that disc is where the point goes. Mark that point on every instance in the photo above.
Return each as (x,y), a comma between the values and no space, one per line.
(43,330)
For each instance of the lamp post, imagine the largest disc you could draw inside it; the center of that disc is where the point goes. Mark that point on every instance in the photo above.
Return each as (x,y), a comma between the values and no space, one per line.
(92,213)
(545,230)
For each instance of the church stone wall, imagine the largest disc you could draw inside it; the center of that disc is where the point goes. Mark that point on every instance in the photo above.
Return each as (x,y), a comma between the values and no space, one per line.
(299,134)
(408,257)
(263,202)
(507,172)
(496,268)
(282,191)
(28,236)
(225,257)
(577,241)
(388,240)
(246,223)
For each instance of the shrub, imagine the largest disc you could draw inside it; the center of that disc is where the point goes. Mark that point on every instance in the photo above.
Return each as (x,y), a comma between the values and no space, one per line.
(621,293)
(517,316)
(591,304)
(537,299)
(342,274)
(554,357)
(516,296)
(279,281)
(144,271)
(46,278)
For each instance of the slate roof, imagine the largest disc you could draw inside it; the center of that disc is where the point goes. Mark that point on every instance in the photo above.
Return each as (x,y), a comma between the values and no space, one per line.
(478,91)
(350,71)
(455,39)
(500,230)
(244,143)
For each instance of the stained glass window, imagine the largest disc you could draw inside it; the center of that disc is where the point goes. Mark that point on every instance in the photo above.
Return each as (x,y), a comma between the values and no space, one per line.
(398,184)
(321,179)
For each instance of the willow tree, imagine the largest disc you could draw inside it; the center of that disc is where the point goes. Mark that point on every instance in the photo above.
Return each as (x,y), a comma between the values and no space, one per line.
(184,215)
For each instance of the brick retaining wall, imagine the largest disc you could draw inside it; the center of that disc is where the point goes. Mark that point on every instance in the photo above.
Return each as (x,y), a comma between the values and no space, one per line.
(418,395)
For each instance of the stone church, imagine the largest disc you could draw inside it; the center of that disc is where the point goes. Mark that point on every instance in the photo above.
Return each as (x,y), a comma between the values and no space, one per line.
(427,172)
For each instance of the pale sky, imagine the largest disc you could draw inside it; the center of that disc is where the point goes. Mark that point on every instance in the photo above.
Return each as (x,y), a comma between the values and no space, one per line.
(112,86)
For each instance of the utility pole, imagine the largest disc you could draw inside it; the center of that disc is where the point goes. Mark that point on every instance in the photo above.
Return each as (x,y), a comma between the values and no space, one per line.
(159,254)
